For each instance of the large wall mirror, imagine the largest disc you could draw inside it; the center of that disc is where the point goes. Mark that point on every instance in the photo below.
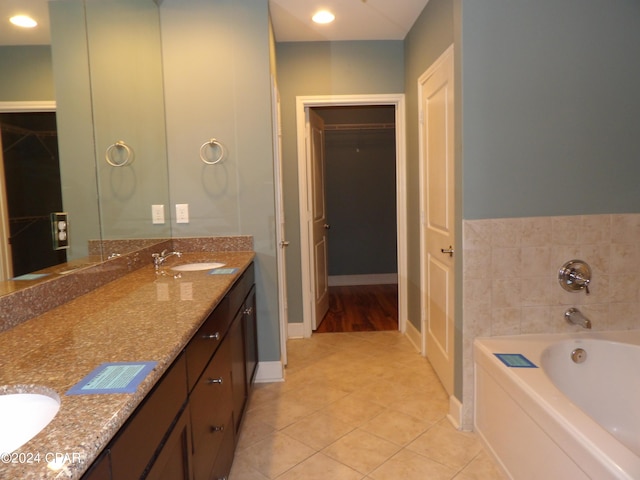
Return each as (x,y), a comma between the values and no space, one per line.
(105,72)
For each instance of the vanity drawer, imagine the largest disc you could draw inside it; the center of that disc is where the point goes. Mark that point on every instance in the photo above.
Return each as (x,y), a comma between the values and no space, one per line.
(205,342)
(240,290)
(211,411)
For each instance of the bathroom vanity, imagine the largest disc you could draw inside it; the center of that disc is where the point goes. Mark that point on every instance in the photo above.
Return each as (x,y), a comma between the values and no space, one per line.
(183,419)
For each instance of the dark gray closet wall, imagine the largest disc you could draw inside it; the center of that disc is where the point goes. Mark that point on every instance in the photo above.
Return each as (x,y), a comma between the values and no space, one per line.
(360,168)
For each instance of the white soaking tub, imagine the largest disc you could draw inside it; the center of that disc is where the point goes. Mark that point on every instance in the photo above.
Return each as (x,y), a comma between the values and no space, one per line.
(574,415)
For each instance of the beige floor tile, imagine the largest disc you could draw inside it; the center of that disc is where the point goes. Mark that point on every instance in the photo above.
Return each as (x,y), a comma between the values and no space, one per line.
(407,465)
(361,451)
(429,407)
(482,467)
(444,444)
(353,409)
(321,467)
(318,430)
(397,427)
(242,470)
(361,406)
(275,454)
(253,430)
(285,412)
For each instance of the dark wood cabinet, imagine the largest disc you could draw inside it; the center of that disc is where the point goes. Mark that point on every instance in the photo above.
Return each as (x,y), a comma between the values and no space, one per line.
(101,468)
(174,460)
(137,442)
(186,428)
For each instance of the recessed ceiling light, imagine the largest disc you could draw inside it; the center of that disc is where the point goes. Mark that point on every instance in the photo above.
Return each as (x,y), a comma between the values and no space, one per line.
(323,16)
(23,21)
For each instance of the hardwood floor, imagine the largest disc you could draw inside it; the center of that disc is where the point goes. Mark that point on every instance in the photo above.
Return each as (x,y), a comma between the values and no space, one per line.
(361,308)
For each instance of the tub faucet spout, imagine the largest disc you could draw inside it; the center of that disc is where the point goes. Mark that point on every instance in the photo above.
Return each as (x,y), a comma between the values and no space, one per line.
(575,317)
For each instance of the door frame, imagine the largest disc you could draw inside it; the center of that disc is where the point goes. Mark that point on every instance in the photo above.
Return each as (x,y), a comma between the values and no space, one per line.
(6,268)
(302,104)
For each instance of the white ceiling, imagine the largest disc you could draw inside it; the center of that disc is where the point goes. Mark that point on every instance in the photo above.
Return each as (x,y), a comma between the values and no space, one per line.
(355,20)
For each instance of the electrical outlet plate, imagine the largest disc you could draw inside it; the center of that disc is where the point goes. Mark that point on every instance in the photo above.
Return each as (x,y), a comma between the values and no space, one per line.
(182,213)
(157,214)
(60,230)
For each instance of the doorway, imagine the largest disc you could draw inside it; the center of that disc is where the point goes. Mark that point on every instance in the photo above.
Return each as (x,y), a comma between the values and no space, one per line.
(305,170)
(359,148)
(30,190)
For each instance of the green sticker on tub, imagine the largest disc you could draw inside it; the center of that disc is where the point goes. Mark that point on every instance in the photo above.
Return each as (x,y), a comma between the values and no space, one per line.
(515,360)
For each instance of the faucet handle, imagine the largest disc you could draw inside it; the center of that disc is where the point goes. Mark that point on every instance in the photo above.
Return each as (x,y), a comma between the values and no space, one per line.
(575,275)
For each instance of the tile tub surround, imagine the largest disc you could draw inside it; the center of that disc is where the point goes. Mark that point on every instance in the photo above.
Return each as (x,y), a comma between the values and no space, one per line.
(510,283)
(22,300)
(141,316)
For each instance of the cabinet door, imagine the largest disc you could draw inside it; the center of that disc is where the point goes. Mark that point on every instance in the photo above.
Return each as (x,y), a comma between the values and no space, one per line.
(238,370)
(138,440)
(224,460)
(174,460)
(250,336)
(101,468)
(211,407)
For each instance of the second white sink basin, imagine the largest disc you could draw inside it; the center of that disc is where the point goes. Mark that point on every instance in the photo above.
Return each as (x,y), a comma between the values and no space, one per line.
(194,267)
(23,416)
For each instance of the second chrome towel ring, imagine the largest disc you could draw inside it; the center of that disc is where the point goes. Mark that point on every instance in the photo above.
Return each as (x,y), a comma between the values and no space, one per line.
(212,145)
(119,154)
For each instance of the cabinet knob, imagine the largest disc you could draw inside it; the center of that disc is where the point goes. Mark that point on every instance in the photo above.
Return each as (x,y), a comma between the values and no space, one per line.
(212,336)
(215,380)
(217,428)
(248,311)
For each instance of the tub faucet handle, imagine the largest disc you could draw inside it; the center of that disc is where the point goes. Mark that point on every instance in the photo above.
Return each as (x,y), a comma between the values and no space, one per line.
(574,276)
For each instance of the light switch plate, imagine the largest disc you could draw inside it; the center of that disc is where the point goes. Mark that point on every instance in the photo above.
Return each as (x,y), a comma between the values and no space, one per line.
(60,230)
(182,213)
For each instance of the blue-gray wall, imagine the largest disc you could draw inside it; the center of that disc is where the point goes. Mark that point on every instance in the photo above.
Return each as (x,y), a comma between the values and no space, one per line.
(325,68)
(360,187)
(551,107)
(27,73)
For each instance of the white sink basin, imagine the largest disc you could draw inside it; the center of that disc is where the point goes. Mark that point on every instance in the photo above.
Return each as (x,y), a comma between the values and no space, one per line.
(194,267)
(23,416)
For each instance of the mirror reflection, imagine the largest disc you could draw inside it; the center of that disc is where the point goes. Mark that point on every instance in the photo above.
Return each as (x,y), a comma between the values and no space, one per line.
(104,64)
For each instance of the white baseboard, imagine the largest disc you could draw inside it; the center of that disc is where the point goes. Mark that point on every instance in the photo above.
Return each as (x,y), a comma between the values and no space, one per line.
(414,336)
(269,372)
(371,279)
(295,330)
(455,412)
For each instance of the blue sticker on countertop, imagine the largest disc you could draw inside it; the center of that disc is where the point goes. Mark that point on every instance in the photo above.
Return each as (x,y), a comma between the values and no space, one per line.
(114,377)
(223,271)
(515,360)
(30,276)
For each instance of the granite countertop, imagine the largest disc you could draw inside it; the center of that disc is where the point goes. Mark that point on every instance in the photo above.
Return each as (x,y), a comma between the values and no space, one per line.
(142,316)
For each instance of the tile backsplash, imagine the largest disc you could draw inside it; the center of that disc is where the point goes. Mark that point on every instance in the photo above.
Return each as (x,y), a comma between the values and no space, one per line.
(510,278)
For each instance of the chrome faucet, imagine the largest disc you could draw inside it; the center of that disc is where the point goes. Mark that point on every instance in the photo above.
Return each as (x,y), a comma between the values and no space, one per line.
(160,258)
(575,317)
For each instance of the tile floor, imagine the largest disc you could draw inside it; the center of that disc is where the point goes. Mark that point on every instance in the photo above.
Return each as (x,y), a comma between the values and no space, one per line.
(355,406)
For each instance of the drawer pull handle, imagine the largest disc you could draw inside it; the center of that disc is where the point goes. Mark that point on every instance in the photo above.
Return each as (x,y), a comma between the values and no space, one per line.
(212,336)
(248,311)
(215,380)
(217,428)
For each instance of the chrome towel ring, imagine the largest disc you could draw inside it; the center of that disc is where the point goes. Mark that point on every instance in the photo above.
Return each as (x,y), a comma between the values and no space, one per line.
(212,144)
(122,158)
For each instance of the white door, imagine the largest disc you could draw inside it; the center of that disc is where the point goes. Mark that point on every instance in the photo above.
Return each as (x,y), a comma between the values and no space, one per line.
(281,257)
(319,225)
(438,213)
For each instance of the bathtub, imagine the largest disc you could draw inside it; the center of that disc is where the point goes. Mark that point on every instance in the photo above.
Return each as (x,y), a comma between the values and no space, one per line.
(560,419)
